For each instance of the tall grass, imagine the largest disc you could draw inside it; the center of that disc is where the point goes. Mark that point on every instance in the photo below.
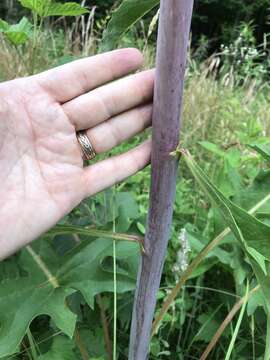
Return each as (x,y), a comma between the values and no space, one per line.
(59,43)
(216,113)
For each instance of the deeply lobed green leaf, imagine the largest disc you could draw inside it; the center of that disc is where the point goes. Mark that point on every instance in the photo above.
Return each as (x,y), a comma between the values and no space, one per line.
(85,269)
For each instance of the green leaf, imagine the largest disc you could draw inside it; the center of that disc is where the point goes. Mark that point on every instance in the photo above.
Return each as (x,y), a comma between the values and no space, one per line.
(24,298)
(253,235)
(215,149)
(256,300)
(19,33)
(83,269)
(197,243)
(127,211)
(67,9)
(209,325)
(252,195)
(36,6)
(128,13)
(262,149)
(45,8)
(94,341)
(4,26)
(62,348)
(260,259)
(250,232)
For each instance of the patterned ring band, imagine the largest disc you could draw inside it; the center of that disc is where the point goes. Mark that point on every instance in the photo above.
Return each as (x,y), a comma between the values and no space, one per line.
(86,146)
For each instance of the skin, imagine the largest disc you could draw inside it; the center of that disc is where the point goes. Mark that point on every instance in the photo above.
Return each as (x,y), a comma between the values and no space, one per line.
(42,175)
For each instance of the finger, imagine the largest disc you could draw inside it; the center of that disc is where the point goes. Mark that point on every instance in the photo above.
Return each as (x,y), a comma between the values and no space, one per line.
(113,132)
(78,77)
(113,170)
(109,100)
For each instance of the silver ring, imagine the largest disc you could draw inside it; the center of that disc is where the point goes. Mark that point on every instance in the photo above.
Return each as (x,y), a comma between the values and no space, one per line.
(87,148)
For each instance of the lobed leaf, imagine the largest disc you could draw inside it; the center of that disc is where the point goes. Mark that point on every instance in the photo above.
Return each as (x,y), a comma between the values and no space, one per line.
(84,269)
(22,300)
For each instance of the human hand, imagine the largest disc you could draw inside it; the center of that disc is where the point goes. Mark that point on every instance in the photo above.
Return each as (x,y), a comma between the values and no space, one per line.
(41,168)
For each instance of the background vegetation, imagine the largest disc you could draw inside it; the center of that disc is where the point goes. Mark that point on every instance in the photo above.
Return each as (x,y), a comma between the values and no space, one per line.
(226,110)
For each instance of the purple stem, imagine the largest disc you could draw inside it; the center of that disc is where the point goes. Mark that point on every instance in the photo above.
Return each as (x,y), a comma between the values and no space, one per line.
(174,27)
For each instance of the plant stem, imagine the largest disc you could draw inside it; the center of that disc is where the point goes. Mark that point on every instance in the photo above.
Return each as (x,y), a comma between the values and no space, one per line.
(196,262)
(80,345)
(33,349)
(114,302)
(114,285)
(226,322)
(238,324)
(26,351)
(34,44)
(69,229)
(105,326)
(43,267)
(174,26)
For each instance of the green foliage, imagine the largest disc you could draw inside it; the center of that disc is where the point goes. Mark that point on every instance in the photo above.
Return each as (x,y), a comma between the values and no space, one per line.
(129,12)
(214,20)
(46,8)
(19,33)
(237,327)
(263,149)
(62,348)
(243,59)
(87,269)
(252,234)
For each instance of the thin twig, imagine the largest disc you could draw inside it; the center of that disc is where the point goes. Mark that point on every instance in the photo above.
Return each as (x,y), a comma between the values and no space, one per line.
(91,232)
(81,346)
(105,327)
(114,288)
(185,276)
(226,322)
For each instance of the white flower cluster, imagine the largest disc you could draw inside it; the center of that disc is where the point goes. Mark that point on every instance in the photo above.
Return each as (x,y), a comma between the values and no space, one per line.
(244,60)
(182,255)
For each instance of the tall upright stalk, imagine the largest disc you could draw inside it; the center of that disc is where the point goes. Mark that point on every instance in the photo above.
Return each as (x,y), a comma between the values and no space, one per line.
(174,26)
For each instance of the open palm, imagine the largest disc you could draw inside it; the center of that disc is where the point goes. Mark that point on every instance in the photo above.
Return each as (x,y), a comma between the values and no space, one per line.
(42,176)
